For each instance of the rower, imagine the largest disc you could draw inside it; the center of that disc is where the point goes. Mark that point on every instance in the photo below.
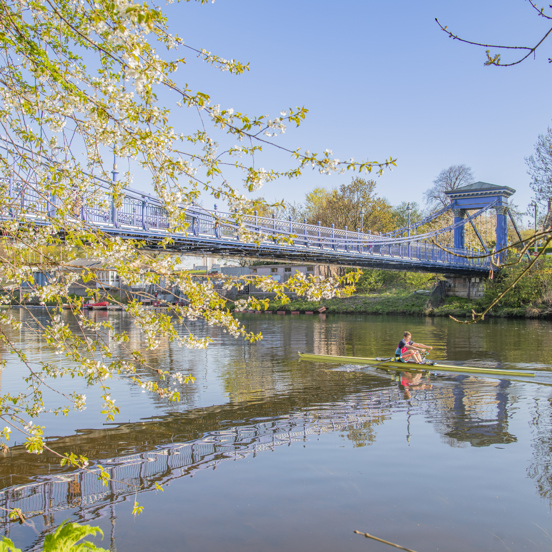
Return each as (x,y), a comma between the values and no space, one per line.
(408,351)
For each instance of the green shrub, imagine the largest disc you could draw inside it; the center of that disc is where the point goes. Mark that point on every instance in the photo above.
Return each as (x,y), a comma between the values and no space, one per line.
(535,288)
(375,280)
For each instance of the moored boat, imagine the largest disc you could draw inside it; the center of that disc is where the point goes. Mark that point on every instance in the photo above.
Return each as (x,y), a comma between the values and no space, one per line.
(97,306)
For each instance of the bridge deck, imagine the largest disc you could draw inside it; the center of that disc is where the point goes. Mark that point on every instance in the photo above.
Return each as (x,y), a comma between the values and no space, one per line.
(211,232)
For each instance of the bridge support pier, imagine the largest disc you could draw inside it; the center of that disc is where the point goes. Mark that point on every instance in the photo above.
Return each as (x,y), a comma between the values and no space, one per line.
(468,287)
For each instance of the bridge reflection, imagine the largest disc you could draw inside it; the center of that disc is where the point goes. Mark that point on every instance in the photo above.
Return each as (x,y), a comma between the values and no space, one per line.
(157,451)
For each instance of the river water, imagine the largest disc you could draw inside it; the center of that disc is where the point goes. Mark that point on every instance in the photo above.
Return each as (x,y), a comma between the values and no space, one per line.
(266,452)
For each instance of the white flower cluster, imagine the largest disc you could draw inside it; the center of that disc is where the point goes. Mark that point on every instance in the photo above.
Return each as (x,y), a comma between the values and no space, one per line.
(165,265)
(108,403)
(256,179)
(238,151)
(55,289)
(94,370)
(223,64)
(229,324)
(153,325)
(321,290)
(79,402)
(276,125)
(9,320)
(267,284)
(180,377)
(57,333)
(147,386)
(192,342)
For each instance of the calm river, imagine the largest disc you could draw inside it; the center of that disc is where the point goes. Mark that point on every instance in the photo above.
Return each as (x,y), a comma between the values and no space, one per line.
(265,452)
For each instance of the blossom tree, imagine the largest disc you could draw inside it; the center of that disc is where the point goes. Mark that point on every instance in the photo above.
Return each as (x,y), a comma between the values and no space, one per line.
(80,83)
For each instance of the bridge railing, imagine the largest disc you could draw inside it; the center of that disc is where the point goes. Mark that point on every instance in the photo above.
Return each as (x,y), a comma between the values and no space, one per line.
(146,215)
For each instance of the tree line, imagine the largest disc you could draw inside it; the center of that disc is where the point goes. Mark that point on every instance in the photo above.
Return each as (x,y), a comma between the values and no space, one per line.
(357,205)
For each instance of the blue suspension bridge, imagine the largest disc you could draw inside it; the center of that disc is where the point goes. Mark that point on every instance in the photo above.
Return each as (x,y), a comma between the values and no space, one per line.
(143,217)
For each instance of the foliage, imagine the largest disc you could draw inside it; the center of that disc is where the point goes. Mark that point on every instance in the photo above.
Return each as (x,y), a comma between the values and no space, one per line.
(402,300)
(315,203)
(6,545)
(352,205)
(395,301)
(448,179)
(64,539)
(292,211)
(540,168)
(400,214)
(373,280)
(534,289)
(81,83)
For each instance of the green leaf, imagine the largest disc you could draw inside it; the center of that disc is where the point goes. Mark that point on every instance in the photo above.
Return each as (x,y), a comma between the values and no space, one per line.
(6,545)
(66,536)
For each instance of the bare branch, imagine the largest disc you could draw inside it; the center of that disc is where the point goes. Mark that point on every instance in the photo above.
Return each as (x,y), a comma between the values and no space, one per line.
(495,60)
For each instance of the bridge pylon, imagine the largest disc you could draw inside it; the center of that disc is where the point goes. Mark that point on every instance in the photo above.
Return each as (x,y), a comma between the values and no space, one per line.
(477,196)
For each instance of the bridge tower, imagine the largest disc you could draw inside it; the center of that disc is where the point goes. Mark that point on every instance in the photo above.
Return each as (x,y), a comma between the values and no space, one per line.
(476,196)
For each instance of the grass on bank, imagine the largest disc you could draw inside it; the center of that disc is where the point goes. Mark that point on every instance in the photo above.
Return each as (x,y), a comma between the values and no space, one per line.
(387,292)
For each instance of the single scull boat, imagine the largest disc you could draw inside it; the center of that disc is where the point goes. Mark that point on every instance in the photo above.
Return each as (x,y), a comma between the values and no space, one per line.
(390,364)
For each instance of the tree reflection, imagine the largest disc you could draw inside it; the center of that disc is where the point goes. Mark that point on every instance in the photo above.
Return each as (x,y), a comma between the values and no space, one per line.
(540,469)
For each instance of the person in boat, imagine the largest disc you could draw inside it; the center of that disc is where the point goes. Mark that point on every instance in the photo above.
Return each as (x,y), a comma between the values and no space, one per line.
(408,351)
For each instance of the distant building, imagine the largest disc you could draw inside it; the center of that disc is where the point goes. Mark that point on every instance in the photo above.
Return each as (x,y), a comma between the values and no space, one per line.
(207,267)
(106,277)
(283,272)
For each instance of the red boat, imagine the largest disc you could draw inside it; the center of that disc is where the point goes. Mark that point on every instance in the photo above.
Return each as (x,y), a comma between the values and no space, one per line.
(103,304)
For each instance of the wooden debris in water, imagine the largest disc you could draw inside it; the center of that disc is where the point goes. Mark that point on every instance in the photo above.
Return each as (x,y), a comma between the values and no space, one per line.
(368,536)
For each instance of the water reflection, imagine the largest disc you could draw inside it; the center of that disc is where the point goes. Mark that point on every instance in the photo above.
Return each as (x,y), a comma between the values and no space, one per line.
(249,401)
(540,468)
(463,410)
(46,495)
(472,413)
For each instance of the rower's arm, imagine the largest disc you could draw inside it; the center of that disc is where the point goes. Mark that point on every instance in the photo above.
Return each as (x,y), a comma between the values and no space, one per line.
(422,346)
(413,347)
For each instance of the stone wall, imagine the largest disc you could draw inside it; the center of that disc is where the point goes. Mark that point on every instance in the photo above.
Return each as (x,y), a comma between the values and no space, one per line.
(467,287)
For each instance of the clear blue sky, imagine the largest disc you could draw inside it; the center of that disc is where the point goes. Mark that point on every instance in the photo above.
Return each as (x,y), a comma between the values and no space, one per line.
(380,79)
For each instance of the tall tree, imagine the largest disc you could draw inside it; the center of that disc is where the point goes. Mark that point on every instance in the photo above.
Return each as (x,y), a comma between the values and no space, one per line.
(315,202)
(449,179)
(400,214)
(294,211)
(353,205)
(540,168)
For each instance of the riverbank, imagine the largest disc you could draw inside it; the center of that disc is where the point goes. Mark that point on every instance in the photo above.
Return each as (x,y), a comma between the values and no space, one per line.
(402,302)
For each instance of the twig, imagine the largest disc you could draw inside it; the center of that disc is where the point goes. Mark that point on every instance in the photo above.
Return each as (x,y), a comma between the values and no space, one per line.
(496,59)
(476,317)
(526,242)
(368,536)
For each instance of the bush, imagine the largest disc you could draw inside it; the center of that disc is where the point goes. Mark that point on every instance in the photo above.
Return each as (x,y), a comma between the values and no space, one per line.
(374,280)
(535,288)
